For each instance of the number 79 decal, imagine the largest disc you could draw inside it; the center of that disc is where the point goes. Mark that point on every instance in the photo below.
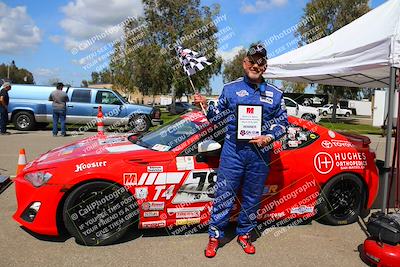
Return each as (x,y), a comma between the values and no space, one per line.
(198,187)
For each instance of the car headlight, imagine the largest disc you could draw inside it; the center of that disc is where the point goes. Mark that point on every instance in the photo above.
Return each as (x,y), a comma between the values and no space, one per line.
(39,178)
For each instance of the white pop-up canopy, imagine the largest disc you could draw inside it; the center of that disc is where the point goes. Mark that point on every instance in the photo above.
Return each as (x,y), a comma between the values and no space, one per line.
(357,55)
(364,53)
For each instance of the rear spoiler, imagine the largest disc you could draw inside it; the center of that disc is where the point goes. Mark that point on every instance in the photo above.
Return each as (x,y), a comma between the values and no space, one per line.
(357,138)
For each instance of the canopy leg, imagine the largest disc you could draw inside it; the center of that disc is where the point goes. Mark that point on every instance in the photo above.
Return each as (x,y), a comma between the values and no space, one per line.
(388,148)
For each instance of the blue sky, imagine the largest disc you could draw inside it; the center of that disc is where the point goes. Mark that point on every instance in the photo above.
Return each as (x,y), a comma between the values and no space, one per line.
(48,37)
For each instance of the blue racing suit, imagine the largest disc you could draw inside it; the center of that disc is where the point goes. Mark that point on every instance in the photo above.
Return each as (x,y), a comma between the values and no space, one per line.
(242,163)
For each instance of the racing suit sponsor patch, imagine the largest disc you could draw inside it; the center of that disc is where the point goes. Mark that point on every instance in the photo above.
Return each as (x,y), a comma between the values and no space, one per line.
(266,99)
(242,93)
(269,93)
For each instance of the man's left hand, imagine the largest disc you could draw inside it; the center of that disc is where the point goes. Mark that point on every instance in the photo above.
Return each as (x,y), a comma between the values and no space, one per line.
(261,140)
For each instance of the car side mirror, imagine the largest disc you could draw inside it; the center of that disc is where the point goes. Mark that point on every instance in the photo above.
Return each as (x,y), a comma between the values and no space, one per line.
(208,146)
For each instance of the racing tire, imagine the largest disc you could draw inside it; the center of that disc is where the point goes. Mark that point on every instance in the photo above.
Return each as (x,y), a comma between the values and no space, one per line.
(99,213)
(325,113)
(140,123)
(24,121)
(309,117)
(347,114)
(341,200)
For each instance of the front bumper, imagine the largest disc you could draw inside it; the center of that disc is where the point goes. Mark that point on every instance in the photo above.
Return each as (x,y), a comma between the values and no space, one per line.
(49,196)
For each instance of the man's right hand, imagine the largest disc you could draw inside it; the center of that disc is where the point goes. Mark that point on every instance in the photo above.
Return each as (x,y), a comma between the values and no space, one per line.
(200,100)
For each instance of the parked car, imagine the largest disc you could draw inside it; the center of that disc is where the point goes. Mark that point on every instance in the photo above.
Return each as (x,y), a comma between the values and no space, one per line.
(180,107)
(300,111)
(168,177)
(29,107)
(312,101)
(328,109)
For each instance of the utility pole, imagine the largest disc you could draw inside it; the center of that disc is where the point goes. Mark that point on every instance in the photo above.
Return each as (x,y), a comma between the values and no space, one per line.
(8,69)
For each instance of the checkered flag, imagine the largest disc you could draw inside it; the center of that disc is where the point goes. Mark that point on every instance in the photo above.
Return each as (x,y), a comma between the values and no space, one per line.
(191,61)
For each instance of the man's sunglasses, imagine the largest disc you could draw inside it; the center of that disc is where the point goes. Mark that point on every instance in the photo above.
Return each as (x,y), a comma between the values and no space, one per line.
(261,62)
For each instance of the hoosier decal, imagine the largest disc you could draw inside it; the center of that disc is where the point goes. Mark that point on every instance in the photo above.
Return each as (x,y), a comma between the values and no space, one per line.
(84,166)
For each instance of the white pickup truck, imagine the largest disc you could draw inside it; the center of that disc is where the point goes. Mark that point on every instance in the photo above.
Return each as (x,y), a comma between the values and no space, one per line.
(327,109)
(300,111)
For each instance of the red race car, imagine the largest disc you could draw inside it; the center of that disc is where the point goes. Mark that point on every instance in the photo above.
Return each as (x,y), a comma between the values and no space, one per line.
(97,188)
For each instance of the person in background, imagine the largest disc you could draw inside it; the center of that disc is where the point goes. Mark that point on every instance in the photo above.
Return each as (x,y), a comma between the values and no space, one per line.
(59,99)
(4,101)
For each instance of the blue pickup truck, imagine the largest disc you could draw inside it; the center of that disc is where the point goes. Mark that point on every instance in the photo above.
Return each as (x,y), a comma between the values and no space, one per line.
(29,108)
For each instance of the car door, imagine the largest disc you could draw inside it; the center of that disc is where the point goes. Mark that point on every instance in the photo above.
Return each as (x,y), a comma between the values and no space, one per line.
(282,196)
(80,107)
(339,110)
(193,199)
(112,107)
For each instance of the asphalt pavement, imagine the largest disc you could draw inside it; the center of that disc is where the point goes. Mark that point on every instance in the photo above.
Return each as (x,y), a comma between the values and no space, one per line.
(304,245)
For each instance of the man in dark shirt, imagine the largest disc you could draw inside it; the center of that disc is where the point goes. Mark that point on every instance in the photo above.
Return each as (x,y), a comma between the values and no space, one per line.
(59,99)
(4,101)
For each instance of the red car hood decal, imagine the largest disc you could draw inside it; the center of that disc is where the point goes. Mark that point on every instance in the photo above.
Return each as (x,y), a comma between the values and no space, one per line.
(93,145)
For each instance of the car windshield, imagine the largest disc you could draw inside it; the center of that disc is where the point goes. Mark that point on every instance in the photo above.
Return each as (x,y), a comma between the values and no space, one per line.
(121,97)
(168,136)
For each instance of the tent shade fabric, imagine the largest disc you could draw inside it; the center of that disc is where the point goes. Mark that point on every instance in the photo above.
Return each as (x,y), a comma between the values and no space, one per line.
(359,54)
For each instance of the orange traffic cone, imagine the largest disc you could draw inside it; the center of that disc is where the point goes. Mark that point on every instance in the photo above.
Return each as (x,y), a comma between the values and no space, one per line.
(21,161)
(100,123)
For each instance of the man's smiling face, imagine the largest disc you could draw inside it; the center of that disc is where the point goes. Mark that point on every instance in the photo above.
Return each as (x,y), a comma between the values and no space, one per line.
(254,66)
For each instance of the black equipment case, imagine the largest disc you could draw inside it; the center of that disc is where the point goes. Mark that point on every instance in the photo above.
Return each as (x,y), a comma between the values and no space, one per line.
(385,227)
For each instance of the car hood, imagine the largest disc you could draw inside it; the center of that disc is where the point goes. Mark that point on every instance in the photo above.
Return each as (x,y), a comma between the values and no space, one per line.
(140,108)
(87,147)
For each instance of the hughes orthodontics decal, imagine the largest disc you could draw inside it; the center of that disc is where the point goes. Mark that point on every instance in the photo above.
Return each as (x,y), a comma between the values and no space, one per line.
(324,162)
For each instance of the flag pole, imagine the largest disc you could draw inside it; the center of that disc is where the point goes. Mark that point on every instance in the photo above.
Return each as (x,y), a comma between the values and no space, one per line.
(195,92)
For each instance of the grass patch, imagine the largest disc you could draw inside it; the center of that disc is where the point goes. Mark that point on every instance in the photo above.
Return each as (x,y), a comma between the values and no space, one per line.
(350,127)
(167,118)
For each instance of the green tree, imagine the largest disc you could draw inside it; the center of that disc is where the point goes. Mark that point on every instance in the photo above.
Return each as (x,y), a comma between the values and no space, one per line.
(95,77)
(84,83)
(233,69)
(323,17)
(294,87)
(147,58)
(106,76)
(16,75)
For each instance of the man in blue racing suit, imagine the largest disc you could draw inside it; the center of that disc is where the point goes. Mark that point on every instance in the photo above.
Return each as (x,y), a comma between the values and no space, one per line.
(244,162)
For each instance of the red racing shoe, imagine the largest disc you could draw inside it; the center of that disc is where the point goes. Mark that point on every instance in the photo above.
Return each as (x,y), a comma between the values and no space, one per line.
(245,242)
(212,247)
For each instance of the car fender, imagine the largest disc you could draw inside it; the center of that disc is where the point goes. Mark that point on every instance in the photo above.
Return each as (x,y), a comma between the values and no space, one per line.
(138,109)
